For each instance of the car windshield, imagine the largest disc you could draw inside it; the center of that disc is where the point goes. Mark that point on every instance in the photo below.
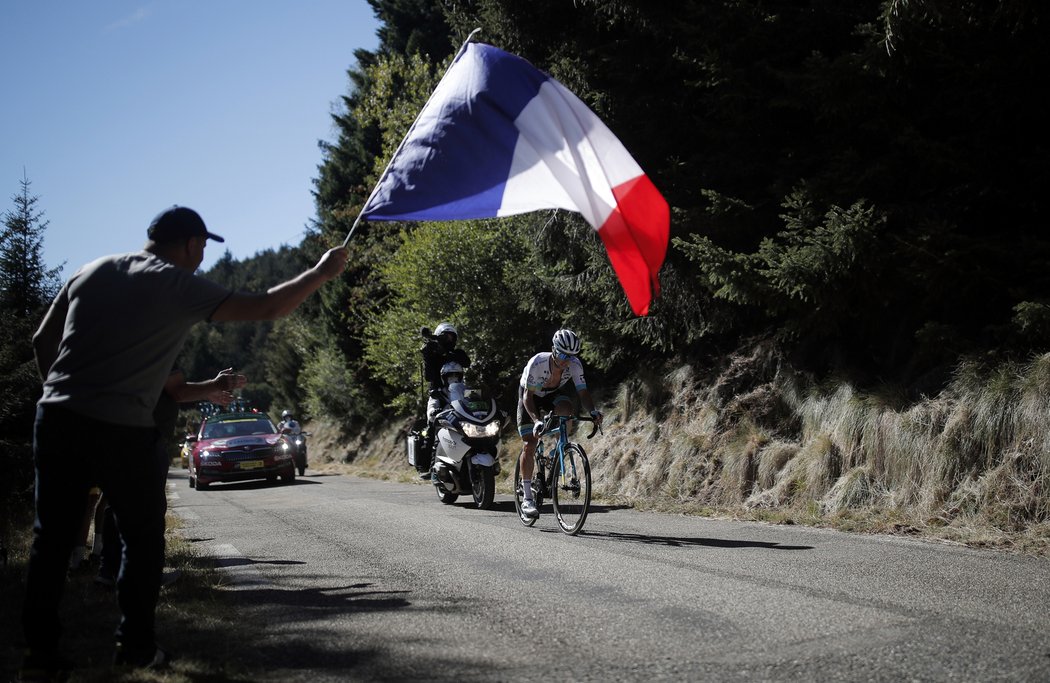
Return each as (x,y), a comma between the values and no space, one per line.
(247,427)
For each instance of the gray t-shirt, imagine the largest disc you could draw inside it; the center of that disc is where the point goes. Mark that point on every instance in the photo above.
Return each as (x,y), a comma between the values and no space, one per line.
(127,317)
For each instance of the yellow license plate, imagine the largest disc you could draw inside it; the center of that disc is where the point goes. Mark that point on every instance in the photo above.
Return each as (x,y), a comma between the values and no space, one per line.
(251,464)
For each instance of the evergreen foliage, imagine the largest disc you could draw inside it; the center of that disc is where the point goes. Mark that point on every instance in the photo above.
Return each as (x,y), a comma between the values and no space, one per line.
(27,287)
(859,182)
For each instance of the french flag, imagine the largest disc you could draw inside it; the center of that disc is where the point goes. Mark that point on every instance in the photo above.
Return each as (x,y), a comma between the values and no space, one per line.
(499,137)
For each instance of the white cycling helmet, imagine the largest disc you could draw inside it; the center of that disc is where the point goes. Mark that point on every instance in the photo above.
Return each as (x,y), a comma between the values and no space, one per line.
(451,372)
(286,414)
(565,341)
(445,327)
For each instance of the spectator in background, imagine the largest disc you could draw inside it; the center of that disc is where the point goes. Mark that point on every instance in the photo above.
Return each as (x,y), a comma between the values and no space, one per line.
(176,390)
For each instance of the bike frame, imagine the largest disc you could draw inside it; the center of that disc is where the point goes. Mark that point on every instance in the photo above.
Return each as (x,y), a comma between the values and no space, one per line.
(548,466)
(562,473)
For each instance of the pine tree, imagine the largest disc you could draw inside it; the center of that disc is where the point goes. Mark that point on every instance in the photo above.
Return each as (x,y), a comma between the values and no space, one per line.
(26,289)
(26,285)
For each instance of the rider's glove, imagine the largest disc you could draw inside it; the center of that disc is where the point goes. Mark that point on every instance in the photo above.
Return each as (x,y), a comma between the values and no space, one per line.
(597,415)
(537,428)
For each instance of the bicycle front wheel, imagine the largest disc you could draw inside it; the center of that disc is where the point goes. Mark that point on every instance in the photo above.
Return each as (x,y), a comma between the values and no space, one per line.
(571,489)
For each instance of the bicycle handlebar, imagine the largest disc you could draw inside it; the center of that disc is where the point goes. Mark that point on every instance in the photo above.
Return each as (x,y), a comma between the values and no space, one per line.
(549,418)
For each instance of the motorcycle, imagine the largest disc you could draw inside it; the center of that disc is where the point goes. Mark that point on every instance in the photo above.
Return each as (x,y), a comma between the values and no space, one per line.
(298,444)
(466,447)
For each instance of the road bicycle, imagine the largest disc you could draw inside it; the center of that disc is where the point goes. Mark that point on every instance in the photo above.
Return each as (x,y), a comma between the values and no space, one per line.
(562,473)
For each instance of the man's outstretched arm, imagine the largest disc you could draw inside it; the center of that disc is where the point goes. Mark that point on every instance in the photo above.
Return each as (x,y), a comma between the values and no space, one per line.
(281,300)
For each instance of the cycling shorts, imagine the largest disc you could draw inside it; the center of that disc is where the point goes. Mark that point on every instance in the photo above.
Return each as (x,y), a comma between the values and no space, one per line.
(543,404)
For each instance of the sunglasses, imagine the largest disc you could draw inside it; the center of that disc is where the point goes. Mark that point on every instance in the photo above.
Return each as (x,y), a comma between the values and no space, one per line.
(563,356)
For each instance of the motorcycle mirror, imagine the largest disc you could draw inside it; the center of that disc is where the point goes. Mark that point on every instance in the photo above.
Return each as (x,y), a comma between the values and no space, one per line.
(424,332)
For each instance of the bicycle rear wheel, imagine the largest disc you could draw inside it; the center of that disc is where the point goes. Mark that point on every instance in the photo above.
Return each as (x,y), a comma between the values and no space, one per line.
(571,489)
(519,493)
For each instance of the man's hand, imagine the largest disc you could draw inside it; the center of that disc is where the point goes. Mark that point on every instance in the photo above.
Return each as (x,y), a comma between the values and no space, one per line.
(223,386)
(230,380)
(333,262)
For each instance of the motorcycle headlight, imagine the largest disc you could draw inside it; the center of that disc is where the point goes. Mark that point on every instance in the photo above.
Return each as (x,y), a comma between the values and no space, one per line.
(474,431)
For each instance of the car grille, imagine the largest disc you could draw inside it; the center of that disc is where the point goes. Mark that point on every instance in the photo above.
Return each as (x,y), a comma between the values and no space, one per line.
(247,453)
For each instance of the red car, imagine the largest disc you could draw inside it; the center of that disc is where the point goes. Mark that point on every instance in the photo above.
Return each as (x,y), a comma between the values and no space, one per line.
(237,447)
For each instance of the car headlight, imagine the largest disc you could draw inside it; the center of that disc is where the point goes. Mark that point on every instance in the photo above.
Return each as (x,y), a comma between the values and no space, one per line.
(474,431)
(209,455)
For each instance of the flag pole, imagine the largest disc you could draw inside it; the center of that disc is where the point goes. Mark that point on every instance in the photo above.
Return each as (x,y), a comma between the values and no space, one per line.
(402,144)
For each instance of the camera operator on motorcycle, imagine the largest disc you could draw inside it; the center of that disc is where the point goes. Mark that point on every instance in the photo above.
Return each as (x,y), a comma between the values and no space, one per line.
(543,387)
(439,351)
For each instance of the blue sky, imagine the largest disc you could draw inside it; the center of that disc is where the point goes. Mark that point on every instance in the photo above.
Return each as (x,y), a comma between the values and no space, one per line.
(118,109)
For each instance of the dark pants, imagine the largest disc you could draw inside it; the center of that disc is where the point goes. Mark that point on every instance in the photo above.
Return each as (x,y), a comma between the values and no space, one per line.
(72,453)
(112,548)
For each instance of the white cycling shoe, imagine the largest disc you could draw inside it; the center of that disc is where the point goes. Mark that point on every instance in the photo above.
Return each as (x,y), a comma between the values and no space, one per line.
(529,509)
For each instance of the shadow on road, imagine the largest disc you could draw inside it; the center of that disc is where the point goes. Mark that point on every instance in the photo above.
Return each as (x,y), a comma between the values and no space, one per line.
(319,602)
(677,541)
(508,506)
(257,484)
(243,561)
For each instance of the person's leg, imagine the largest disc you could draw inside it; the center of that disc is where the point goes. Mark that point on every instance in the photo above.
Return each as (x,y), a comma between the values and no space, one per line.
(78,557)
(112,549)
(134,481)
(63,479)
(434,406)
(99,522)
(527,456)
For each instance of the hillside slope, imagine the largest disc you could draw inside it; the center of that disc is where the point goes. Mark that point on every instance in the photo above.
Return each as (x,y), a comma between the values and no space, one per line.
(753,440)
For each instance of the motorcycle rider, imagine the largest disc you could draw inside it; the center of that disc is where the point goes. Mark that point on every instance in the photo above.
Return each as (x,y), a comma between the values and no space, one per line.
(439,350)
(288,422)
(289,425)
(543,388)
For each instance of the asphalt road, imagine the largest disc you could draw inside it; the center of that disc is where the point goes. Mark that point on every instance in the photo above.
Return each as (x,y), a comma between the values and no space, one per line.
(355,579)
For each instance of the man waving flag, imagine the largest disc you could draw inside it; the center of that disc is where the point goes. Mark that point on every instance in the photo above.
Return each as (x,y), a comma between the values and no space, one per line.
(499,137)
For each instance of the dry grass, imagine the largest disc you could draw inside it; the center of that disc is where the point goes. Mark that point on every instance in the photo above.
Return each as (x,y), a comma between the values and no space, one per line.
(970,465)
(194,619)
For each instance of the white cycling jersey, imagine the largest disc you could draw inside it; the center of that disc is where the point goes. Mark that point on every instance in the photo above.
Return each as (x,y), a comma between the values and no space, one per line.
(537,375)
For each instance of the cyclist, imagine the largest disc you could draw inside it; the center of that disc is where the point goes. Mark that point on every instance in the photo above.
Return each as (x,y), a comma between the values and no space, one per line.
(543,388)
